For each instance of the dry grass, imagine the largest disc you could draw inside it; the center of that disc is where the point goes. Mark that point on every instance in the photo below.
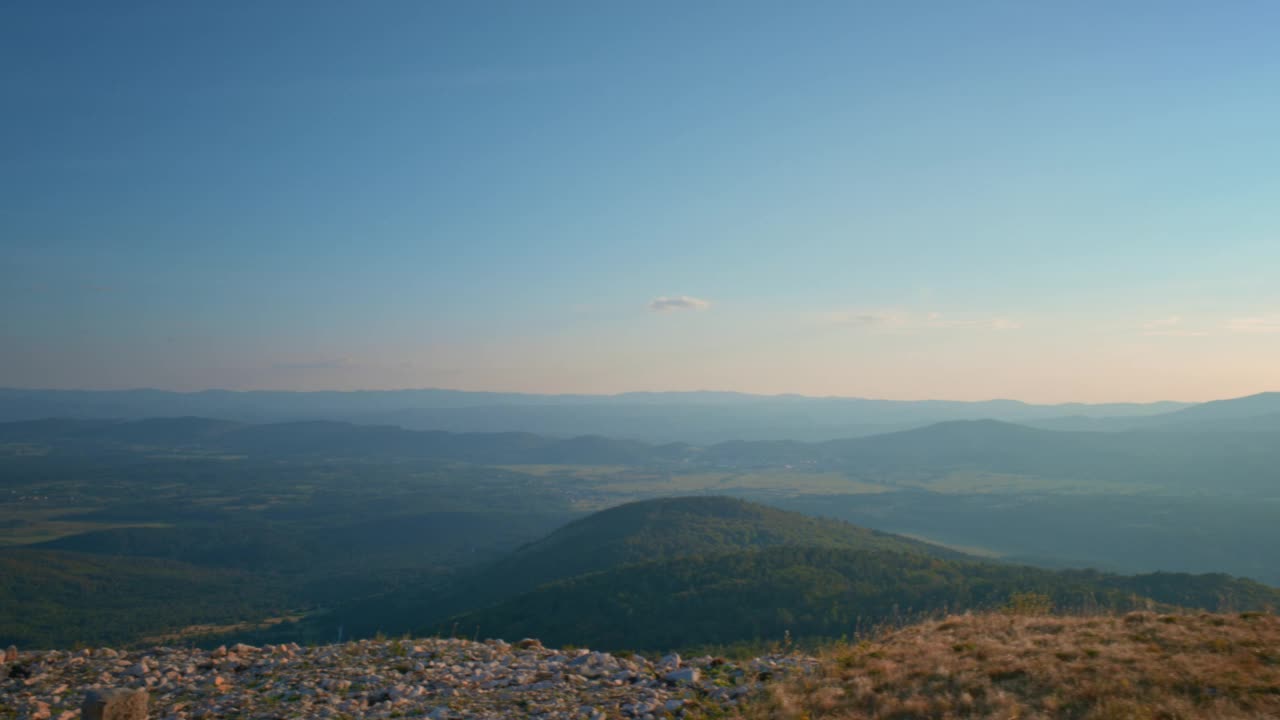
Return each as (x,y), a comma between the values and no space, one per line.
(1140,666)
(195,632)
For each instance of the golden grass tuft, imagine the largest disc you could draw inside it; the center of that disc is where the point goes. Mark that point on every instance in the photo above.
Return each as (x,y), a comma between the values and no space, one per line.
(1140,666)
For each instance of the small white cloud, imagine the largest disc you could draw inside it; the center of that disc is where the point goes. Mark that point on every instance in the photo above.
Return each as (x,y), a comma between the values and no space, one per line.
(864,319)
(1255,325)
(1170,327)
(1171,321)
(859,319)
(664,303)
(938,320)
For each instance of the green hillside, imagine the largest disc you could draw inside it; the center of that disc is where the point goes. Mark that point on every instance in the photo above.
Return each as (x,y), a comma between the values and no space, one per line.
(678,572)
(50,598)
(661,529)
(811,592)
(670,528)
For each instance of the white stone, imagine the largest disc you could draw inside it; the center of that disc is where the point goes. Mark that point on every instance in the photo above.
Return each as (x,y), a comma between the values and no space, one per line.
(683,675)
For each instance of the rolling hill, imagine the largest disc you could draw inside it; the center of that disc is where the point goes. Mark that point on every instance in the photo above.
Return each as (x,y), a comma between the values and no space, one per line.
(672,528)
(680,572)
(1252,413)
(1174,461)
(661,529)
(765,594)
(1265,403)
(324,439)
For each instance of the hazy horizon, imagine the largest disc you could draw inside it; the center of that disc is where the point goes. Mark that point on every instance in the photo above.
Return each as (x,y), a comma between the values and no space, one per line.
(1049,397)
(696,391)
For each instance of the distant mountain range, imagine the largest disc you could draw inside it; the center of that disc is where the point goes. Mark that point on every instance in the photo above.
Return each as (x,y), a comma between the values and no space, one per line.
(1215,446)
(1260,412)
(691,417)
(327,439)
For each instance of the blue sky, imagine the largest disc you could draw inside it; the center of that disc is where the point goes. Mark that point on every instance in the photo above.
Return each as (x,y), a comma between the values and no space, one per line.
(1048,201)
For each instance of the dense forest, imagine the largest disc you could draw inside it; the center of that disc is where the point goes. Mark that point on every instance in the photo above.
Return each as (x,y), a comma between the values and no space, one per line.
(712,570)
(809,592)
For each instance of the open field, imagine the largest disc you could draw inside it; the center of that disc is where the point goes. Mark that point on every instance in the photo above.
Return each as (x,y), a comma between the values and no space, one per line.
(784,481)
(572,471)
(195,632)
(54,530)
(21,525)
(975,482)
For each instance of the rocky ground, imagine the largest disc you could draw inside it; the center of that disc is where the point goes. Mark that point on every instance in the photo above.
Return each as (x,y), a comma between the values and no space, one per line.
(427,678)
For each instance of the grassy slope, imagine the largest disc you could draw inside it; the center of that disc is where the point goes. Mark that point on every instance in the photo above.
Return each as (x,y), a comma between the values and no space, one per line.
(1139,666)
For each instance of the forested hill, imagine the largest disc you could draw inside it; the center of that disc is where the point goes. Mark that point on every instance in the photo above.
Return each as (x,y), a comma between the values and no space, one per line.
(670,528)
(661,529)
(765,594)
(676,572)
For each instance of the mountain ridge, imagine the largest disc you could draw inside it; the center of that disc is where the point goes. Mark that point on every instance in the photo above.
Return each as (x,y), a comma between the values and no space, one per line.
(1176,460)
(696,417)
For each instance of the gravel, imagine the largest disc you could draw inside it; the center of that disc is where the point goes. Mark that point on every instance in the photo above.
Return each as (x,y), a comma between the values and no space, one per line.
(425,678)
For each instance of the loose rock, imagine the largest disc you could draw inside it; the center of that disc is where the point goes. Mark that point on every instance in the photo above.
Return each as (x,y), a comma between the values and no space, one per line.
(428,678)
(114,704)
(683,675)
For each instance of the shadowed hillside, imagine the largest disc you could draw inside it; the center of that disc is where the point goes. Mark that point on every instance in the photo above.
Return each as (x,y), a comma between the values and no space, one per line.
(671,528)
(42,597)
(808,592)
(666,529)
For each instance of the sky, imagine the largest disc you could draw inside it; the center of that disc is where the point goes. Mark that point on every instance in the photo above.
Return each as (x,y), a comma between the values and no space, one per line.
(1043,201)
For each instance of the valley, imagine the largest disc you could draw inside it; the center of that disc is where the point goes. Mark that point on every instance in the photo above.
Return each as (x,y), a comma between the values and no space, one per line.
(350,530)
